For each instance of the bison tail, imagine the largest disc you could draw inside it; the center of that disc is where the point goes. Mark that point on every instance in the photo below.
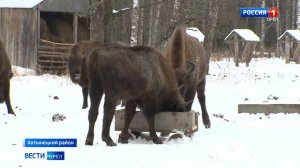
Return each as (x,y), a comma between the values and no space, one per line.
(177,51)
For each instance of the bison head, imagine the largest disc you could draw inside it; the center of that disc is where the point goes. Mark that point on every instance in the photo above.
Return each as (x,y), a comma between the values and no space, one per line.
(74,65)
(184,77)
(77,69)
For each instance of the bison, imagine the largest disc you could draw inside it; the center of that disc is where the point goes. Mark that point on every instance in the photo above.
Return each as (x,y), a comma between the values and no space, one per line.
(139,75)
(5,76)
(77,53)
(180,49)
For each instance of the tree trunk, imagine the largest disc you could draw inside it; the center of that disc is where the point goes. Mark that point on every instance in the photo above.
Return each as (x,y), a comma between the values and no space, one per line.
(97,26)
(294,14)
(108,20)
(288,14)
(211,25)
(134,23)
(140,24)
(278,32)
(155,31)
(262,36)
(146,23)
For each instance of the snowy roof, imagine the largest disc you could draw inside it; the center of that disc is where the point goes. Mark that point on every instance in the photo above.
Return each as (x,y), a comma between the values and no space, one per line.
(293,33)
(246,34)
(195,32)
(19,3)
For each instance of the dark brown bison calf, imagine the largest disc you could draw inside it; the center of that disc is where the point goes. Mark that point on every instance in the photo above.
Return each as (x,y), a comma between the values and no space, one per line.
(78,72)
(139,75)
(5,75)
(78,75)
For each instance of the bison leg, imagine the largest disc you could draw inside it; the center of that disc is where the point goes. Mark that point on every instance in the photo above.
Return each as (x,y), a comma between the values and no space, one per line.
(129,114)
(85,97)
(6,96)
(189,97)
(150,115)
(201,98)
(109,111)
(96,93)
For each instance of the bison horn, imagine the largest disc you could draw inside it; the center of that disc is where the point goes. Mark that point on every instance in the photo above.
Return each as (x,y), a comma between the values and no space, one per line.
(182,90)
(192,66)
(188,102)
(181,87)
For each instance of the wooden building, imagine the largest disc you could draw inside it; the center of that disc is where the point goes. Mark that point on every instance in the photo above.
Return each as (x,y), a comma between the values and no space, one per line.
(242,43)
(290,45)
(20,29)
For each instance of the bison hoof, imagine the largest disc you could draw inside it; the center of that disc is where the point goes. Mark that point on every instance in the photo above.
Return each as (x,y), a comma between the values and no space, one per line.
(84,106)
(206,124)
(123,138)
(88,142)
(12,113)
(109,141)
(157,141)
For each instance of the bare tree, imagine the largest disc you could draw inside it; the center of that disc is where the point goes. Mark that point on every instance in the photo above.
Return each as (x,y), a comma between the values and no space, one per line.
(134,23)
(262,36)
(214,6)
(97,15)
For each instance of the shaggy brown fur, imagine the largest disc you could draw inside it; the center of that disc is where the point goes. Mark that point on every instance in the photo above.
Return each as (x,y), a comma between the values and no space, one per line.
(77,53)
(180,49)
(138,75)
(5,75)
(78,72)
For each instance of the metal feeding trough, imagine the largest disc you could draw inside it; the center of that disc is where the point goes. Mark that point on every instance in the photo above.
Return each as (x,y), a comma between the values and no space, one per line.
(186,122)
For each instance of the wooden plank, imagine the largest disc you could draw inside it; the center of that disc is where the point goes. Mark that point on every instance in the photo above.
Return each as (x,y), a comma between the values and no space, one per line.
(75,27)
(269,108)
(296,54)
(164,121)
(52,57)
(18,31)
(81,6)
(236,50)
(46,42)
(287,49)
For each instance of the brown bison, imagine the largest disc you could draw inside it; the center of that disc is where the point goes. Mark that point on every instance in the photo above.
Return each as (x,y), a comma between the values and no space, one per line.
(5,76)
(180,49)
(139,75)
(75,60)
(77,53)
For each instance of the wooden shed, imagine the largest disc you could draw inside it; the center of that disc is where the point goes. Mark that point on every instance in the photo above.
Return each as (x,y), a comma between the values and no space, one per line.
(242,43)
(290,41)
(21,30)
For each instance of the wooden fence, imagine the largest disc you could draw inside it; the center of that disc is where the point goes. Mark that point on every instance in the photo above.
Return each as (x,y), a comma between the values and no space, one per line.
(52,57)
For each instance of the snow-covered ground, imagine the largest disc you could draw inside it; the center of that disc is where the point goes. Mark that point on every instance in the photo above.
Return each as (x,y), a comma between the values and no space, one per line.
(236,140)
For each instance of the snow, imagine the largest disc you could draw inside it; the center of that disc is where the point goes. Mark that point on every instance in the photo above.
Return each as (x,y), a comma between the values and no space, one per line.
(135,3)
(19,3)
(234,141)
(117,11)
(246,34)
(195,32)
(293,33)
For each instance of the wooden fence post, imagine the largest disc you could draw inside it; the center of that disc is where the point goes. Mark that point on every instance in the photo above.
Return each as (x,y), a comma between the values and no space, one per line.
(236,50)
